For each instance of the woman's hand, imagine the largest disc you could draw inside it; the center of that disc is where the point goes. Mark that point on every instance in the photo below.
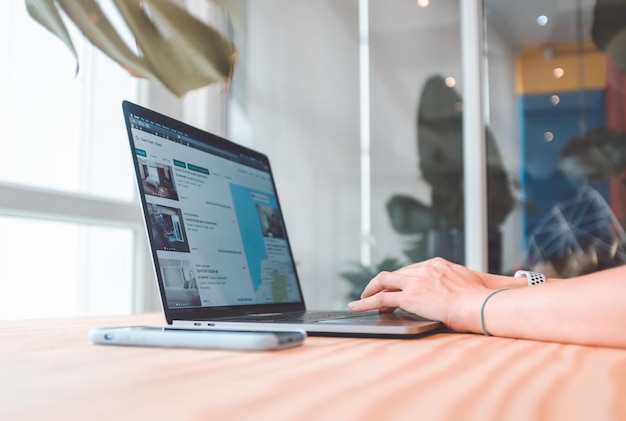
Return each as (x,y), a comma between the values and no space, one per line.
(586,310)
(435,289)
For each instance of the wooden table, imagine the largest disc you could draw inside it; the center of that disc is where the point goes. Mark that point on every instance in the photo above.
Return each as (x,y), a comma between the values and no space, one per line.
(49,370)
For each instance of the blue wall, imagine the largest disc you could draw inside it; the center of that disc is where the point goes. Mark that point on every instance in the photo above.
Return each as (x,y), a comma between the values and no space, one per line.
(542,183)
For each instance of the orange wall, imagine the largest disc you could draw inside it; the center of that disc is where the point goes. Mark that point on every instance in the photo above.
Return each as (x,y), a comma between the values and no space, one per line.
(535,73)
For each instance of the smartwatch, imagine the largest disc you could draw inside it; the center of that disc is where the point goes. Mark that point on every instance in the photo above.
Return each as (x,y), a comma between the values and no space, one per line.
(534,278)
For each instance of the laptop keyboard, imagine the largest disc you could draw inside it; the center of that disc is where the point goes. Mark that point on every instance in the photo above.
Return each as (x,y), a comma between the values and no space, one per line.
(297,317)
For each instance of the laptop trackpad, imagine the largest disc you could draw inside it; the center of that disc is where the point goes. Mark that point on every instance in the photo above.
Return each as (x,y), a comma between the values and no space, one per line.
(379,318)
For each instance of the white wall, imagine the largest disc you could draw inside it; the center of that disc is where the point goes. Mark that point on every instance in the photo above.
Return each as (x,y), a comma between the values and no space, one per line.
(300,102)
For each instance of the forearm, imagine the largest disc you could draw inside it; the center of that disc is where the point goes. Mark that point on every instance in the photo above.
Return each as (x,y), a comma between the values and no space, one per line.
(586,310)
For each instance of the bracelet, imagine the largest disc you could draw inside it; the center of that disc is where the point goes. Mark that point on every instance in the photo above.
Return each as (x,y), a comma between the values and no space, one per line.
(534,278)
(482,310)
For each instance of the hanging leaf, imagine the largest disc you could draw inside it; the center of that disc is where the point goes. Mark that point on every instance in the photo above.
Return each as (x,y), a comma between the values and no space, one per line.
(174,48)
(47,15)
(96,27)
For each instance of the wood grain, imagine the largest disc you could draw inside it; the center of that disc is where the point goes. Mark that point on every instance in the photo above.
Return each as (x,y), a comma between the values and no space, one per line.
(49,370)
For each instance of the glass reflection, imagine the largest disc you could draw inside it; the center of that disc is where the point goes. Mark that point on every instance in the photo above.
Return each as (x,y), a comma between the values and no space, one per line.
(569,97)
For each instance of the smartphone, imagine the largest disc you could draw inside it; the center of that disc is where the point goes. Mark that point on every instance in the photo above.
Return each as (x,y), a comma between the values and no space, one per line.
(174,337)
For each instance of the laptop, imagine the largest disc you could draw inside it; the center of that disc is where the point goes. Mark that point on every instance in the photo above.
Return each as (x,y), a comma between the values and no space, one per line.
(219,244)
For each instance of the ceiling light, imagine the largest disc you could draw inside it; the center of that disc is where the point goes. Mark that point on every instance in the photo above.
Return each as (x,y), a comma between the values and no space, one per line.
(423,3)
(450,82)
(542,20)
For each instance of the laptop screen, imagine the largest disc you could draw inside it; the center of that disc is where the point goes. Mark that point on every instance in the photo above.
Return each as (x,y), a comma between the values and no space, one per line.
(214,223)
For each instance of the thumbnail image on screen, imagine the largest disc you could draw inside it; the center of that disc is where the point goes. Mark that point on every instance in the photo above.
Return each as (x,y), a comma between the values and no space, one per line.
(167,228)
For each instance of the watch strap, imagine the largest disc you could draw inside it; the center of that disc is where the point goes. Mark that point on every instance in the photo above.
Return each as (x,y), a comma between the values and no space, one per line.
(534,278)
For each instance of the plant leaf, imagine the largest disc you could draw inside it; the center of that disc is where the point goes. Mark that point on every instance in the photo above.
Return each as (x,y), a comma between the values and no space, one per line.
(440,152)
(185,53)
(362,275)
(408,216)
(96,27)
(175,48)
(46,14)
(212,51)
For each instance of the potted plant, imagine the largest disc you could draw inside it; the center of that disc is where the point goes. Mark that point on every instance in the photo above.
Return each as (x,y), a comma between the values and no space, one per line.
(440,224)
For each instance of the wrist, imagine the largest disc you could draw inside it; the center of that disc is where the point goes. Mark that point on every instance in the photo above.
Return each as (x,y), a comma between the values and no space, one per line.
(505,281)
(464,316)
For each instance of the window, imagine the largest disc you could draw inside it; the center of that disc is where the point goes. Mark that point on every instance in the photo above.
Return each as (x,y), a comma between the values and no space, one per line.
(71,239)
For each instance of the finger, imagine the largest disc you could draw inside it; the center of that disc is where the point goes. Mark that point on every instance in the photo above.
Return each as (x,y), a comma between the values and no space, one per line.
(384,300)
(358,306)
(387,309)
(391,281)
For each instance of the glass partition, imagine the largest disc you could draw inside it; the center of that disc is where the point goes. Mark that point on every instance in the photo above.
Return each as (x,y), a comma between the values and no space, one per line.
(555,75)
(417,132)
(388,178)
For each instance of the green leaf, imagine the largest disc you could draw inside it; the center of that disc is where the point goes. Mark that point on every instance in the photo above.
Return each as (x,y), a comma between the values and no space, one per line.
(361,275)
(46,14)
(389,265)
(440,149)
(175,48)
(417,249)
(408,216)
(184,52)
(96,27)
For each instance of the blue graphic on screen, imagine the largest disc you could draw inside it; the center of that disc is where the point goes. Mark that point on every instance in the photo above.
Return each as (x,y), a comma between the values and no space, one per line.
(259,221)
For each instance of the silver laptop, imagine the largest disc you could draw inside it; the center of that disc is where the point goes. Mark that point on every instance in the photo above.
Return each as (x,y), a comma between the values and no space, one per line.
(219,244)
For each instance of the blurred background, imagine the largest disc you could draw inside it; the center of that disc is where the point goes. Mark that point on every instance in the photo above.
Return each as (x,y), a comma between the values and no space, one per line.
(359,104)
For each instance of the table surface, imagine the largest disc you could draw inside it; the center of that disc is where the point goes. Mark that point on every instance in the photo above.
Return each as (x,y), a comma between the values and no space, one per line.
(50,370)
